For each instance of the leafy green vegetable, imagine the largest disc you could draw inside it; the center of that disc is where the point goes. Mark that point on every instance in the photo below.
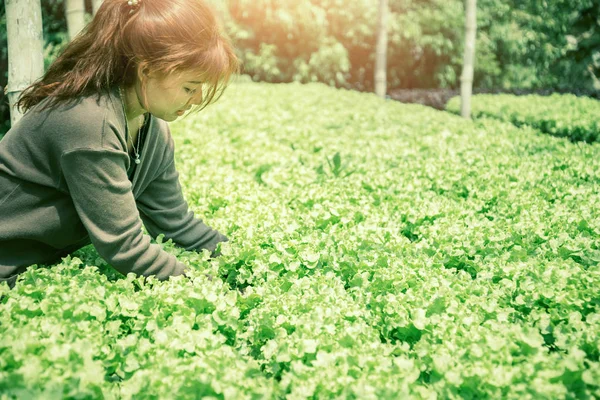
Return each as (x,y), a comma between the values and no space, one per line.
(564,115)
(459,260)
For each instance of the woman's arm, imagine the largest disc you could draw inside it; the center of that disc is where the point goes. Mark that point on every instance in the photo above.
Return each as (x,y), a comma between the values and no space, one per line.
(101,192)
(164,210)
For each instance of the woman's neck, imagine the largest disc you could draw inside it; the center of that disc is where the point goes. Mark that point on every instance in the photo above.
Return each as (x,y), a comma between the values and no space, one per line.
(133,108)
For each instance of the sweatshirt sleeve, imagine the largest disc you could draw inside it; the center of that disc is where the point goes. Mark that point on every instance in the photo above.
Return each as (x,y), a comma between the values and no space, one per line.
(101,192)
(164,210)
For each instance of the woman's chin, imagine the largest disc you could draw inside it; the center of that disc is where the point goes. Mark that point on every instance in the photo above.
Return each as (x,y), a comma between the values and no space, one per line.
(170,117)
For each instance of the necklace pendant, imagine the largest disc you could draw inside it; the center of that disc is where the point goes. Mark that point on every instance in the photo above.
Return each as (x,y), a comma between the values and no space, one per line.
(137,160)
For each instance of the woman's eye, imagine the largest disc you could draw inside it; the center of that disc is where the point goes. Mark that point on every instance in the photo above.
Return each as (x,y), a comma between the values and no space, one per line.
(190,91)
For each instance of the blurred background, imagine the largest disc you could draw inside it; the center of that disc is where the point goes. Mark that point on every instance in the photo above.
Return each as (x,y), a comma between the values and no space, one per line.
(523,46)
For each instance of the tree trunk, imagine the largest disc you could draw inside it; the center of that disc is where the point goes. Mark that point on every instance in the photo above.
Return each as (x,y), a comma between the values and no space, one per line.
(25,49)
(381,55)
(75,12)
(466,79)
(96,5)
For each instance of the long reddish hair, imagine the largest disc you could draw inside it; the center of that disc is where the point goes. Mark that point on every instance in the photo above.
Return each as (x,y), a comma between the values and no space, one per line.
(167,36)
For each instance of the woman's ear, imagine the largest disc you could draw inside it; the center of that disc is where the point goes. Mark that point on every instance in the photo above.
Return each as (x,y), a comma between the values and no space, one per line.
(143,72)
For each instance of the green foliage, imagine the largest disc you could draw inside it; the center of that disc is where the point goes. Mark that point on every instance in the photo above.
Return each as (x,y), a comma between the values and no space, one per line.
(459,260)
(520,44)
(567,116)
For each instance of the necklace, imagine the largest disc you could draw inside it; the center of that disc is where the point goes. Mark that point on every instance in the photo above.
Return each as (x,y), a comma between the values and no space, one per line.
(135,150)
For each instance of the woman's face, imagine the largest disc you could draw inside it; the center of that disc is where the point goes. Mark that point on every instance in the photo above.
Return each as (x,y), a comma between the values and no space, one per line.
(168,97)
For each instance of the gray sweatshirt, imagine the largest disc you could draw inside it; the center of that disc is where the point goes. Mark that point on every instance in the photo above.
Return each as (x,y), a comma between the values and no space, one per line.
(66,180)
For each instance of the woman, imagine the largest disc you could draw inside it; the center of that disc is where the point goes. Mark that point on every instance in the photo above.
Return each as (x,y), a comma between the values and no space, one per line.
(93,158)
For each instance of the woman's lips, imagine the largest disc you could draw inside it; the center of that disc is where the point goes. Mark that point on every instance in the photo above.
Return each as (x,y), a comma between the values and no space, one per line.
(181,112)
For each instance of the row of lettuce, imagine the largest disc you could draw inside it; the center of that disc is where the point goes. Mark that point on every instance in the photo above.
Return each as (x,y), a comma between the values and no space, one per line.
(378,251)
(562,115)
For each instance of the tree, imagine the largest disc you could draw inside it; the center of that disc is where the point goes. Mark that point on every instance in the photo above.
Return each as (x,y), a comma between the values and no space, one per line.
(75,13)
(466,79)
(96,5)
(381,52)
(25,49)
